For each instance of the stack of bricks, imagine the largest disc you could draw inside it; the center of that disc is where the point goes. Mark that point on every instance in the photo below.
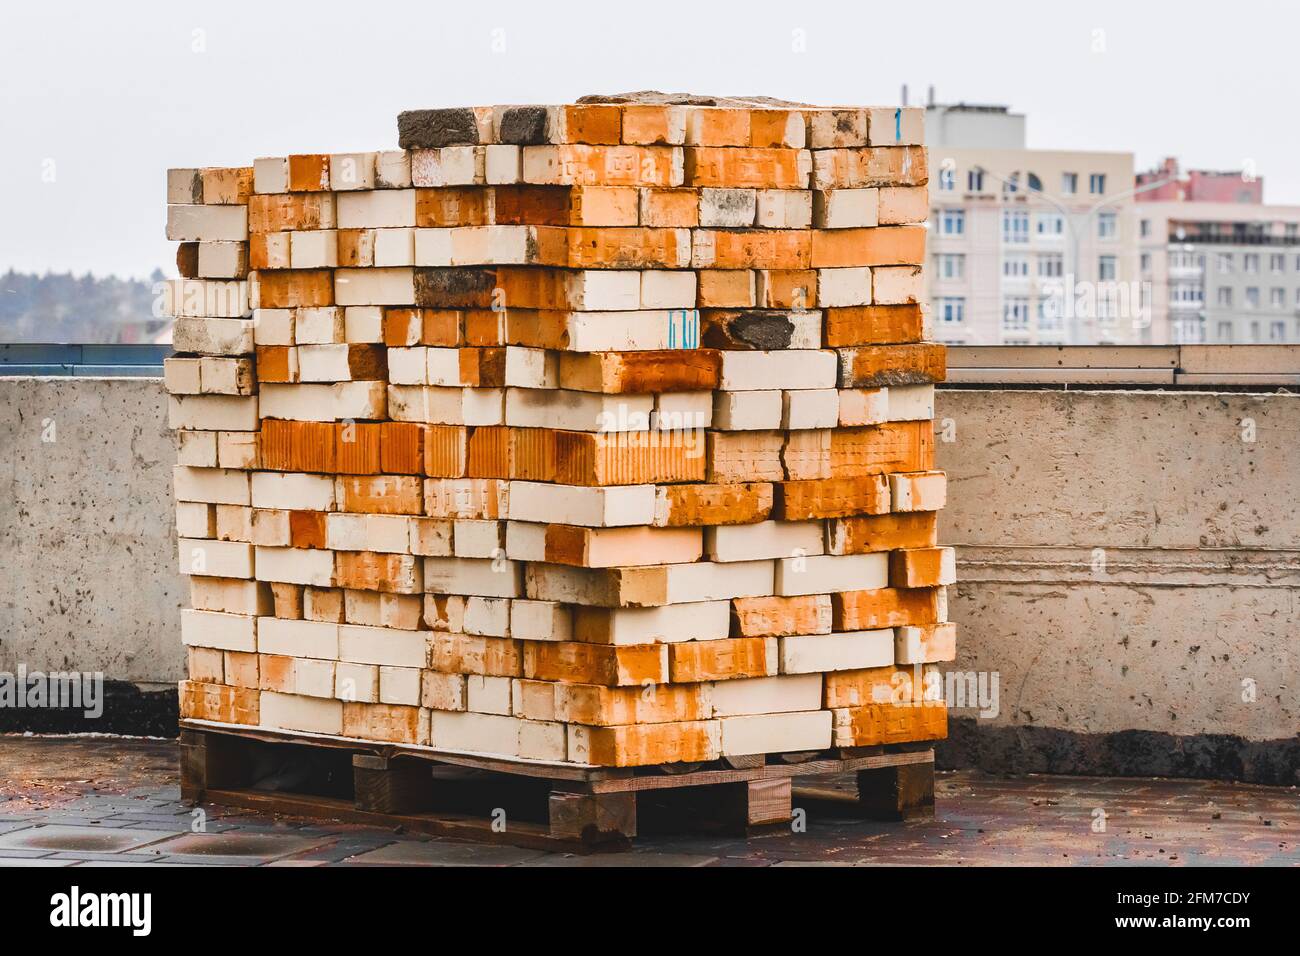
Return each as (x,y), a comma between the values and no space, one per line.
(598,433)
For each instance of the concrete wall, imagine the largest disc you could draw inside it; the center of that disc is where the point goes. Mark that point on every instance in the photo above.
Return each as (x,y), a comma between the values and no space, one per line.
(1128,561)
(1127,659)
(87,555)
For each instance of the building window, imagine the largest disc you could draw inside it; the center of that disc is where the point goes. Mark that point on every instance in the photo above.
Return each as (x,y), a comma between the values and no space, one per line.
(952,222)
(975,181)
(1051,265)
(1015,266)
(1069,183)
(1107,268)
(1051,315)
(1048,224)
(1277,263)
(1252,298)
(1225,331)
(1277,331)
(952,309)
(1015,313)
(1186,295)
(1107,225)
(1250,262)
(1225,297)
(1277,298)
(1145,228)
(1223,261)
(1254,331)
(1015,226)
(947,179)
(1011,184)
(1097,184)
(952,266)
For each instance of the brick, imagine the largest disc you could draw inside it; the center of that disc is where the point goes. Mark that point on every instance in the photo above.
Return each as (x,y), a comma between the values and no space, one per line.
(831,498)
(644,744)
(747,167)
(881,246)
(847,650)
(701,620)
(888,723)
(703,504)
(872,325)
(885,532)
(780,616)
(818,574)
(922,567)
(726,659)
(604,664)
(598,706)
(884,607)
(763,733)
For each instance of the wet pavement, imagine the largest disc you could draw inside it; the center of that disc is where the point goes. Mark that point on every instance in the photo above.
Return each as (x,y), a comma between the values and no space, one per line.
(107,801)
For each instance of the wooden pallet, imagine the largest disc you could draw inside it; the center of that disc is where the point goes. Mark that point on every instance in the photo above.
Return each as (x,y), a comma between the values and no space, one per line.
(531,804)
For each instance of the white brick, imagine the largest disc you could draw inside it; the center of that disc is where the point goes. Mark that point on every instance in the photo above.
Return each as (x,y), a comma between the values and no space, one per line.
(665,289)
(908,403)
(827,574)
(222,559)
(309,714)
(776,733)
(295,566)
(213,485)
(502,164)
(764,539)
(314,249)
(227,632)
(271,175)
(531,368)
(843,287)
(789,369)
(356,682)
(853,650)
(386,646)
(667,624)
(845,208)
(810,408)
(784,208)
(393,169)
(273,326)
(322,325)
(488,695)
(540,621)
(747,411)
(394,247)
(470,576)
(587,506)
(863,406)
(293,492)
(376,209)
(727,207)
(399,685)
(357,401)
(364,324)
(213,412)
(577,411)
(193,223)
(352,171)
(767,695)
(318,639)
(394,286)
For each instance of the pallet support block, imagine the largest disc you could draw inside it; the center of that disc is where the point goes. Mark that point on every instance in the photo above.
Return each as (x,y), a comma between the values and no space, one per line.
(593,818)
(383,785)
(897,793)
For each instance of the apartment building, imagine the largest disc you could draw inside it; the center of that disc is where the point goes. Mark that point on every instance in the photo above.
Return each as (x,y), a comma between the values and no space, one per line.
(1223,266)
(1028,246)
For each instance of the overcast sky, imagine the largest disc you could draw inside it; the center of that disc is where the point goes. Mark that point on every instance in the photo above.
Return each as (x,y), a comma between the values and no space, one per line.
(102,97)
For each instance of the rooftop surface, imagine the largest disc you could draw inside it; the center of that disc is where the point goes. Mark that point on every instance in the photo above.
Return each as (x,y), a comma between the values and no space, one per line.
(96,801)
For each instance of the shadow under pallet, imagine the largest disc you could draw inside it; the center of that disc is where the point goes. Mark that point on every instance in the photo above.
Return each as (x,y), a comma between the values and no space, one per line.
(536,805)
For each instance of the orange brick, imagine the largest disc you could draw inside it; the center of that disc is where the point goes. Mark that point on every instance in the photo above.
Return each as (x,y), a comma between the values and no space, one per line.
(241,669)
(577,663)
(309,173)
(598,706)
(276,363)
(628,248)
(356,448)
(470,654)
(637,745)
(831,498)
(295,288)
(920,567)
(718,126)
(275,672)
(288,599)
(871,325)
(744,456)
(884,607)
(445,451)
(650,124)
(861,534)
(701,504)
(670,207)
(356,247)
(488,452)
(217,702)
(880,449)
(751,249)
(874,166)
(533,454)
(594,123)
(280,212)
(389,722)
(889,724)
(733,657)
(746,168)
(307,529)
(787,289)
(725,289)
(401,448)
(381,494)
(372,571)
(780,616)
(641,373)
(483,367)
(523,205)
(452,206)
(227,187)
(872,685)
(206,665)
(577,165)
(877,246)
(628,458)
(298,446)
(868,366)
(776,128)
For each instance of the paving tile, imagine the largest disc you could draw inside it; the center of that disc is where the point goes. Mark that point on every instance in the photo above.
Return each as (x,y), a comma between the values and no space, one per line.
(418,853)
(250,847)
(88,838)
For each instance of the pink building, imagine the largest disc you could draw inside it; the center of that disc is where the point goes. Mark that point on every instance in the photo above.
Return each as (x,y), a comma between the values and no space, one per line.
(1200,185)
